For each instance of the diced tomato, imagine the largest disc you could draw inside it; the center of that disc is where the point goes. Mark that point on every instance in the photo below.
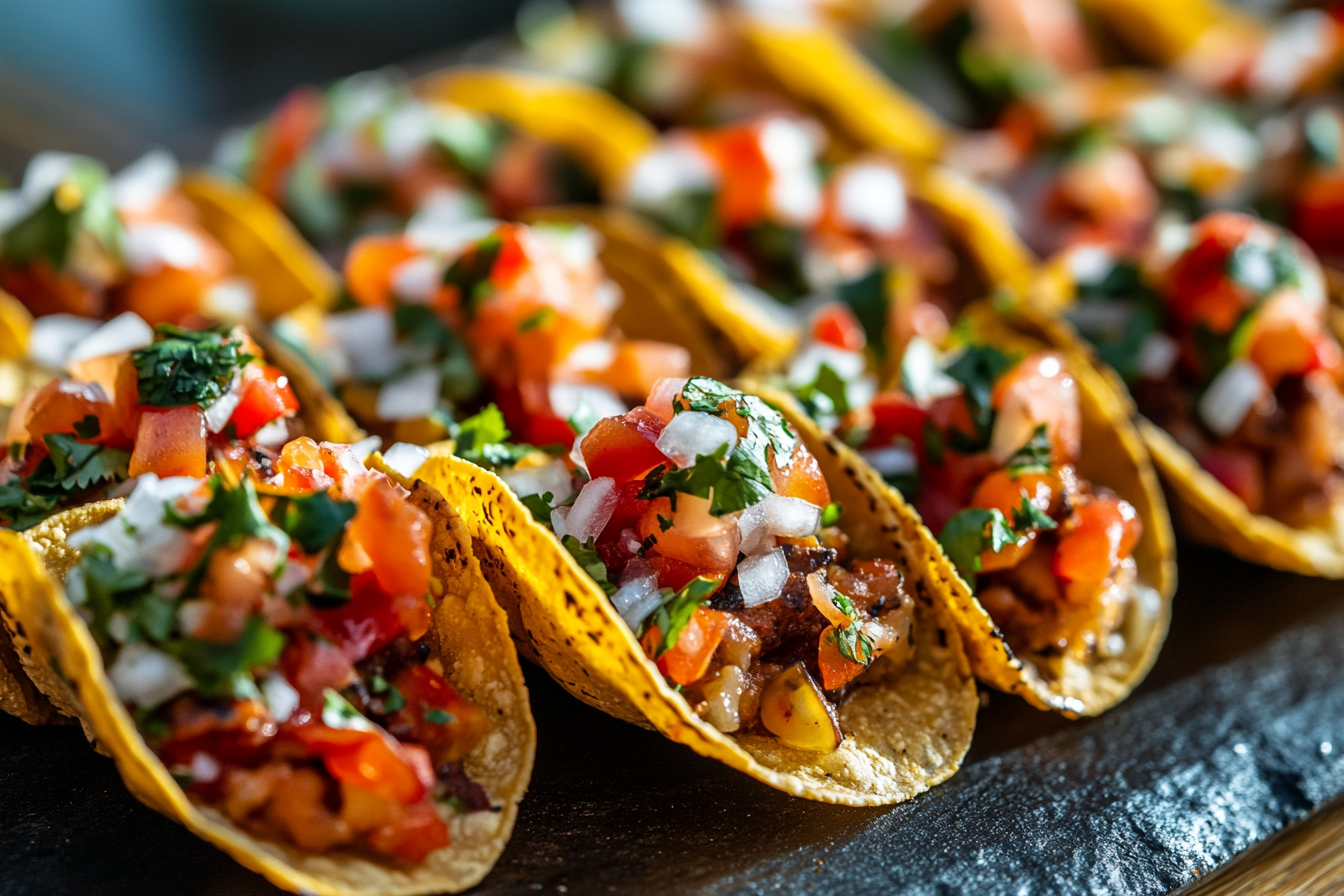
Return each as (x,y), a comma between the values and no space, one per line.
(291,128)
(167,296)
(43,290)
(1001,491)
(1101,533)
(896,415)
(706,543)
(367,622)
(417,832)
(394,535)
(629,510)
(1319,211)
(60,404)
(744,191)
(834,324)
(234,732)
(1288,338)
(802,478)
(312,665)
(1240,471)
(170,442)
(1038,391)
(1197,288)
(267,396)
(370,264)
(688,659)
(623,447)
(438,718)
(1109,187)
(673,573)
(301,467)
(946,487)
(640,363)
(371,760)
(512,258)
(837,669)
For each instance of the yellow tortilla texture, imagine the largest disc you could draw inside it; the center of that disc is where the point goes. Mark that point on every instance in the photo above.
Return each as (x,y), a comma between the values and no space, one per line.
(1165,30)
(469,635)
(600,131)
(909,730)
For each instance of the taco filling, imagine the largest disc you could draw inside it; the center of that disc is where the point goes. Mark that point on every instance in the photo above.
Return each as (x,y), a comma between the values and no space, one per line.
(367,156)
(514,315)
(269,638)
(1220,333)
(76,241)
(710,526)
(166,401)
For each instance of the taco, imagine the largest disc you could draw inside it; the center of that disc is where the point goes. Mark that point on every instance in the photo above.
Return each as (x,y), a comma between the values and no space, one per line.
(1220,332)
(1052,539)
(690,568)
(306,670)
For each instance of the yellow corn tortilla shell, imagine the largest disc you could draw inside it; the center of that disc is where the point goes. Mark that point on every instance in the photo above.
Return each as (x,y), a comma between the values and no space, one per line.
(1164,31)
(820,69)
(469,635)
(909,728)
(672,294)
(264,246)
(596,128)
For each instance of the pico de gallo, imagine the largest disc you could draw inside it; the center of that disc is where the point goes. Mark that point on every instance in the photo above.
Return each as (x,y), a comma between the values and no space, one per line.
(1304,186)
(137,401)
(367,156)
(984,445)
(710,526)
(1220,332)
(520,316)
(76,241)
(269,638)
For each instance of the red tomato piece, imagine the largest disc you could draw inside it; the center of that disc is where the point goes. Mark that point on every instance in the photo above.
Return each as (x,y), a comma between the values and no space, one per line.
(437,716)
(371,760)
(170,442)
(312,665)
(1197,288)
(369,266)
(835,324)
(44,291)
(394,535)
(802,478)
(1240,471)
(364,624)
(1319,211)
(837,670)
(302,468)
(1002,492)
(744,191)
(60,404)
(623,447)
(688,659)
(896,415)
(293,126)
(267,396)
(1103,532)
(417,832)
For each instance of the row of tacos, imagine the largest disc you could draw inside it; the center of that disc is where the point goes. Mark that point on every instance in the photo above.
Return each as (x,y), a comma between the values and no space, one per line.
(765,433)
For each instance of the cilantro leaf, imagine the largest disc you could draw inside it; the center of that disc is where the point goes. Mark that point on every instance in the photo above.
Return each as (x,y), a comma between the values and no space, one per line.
(89,428)
(977,369)
(70,468)
(313,521)
(470,273)
(239,515)
(825,396)
(185,367)
(537,320)
(438,716)
(82,202)
(540,506)
(971,532)
(1028,517)
(588,558)
(867,298)
(222,670)
(102,588)
(482,440)
(674,613)
(1033,457)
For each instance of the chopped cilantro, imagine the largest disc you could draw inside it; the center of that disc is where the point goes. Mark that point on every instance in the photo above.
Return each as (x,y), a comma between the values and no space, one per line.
(867,298)
(222,670)
(830,514)
(850,639)
(438,716)
(825,396)
(674,613)
(470,273)
(540,507)
(185,367)
(588,558)
(378,684)
(82,202)
(1033,457)
(70,468)
(934,445)
(89,428)
(103,588)
(970,533)
(977,369)
(313,521)
(394,701)
(482,440)
(537,320)
(1028,517)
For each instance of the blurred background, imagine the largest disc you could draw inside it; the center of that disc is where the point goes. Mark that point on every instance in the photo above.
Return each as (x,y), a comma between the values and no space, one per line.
(114,78)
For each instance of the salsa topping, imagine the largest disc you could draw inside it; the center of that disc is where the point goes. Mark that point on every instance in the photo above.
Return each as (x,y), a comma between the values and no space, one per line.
(270,638)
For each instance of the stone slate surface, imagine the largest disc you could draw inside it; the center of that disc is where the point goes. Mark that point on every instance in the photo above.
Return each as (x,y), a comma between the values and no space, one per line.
(1238,731)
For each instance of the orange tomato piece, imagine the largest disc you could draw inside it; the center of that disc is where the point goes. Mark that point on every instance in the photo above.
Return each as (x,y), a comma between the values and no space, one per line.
(371,760)
(369,266)
(437,716)
(295,123)
(639,363)
(836,668)
(301,466)
(688,659)
(170,442)
(417,832)
(44,291)
(1102,532)
(744,190)
(623,447)
(395,537)
(802,478)
(169,295)
(1319,209)
(60,404)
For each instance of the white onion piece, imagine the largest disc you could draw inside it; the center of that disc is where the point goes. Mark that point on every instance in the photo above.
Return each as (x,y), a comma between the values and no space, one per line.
(417,280)
(409,396)
(922,375)
(790,149)
(123,333)
(1230,397)
(823,598)
(406,458)
(636,599)
(234,298)
(695,433)
(443,226)
(892,460)
(405,132)
(1089,264)
(592,509)
(54,335)
(45,172)
(222,408)
(281,698)
(157,244)
(684,22)
(567,398)
(677,166)
(147,677)
(807,364)
(871,195)
(723,696)
(777,515)
(593,355)
(143,182)
(558,517)
(368,341)
(364,447)
(273,434)
(1157,355)
(576,245)
(761,577)
(138,536)
(550,477)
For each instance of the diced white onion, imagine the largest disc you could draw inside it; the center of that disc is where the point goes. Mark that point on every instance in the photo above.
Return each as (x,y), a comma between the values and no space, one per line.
(222,408)
(871,196)
(406,131)
(153,245)
(576,244)
(444,226)
(674,167)
(147,677)
(138,536)
(204,767)
(790,148)
(45,172)
(892,460)
(364,447)
(1089,263)
(922,375)
(54,335)
(558,517)
(406,458)
(592,509)
(805,367)
(723,696)
(663,393)
(1230,397)
(593,355)
(684,22)
(417,280)
(119,626)
(234,298)
(273,434)
(695,433)
(368,341)
(761,577)
(553,477)
(567,398)
(1157,355)
(281,698)
(409,396)
(636,599)
(123,333)
(143,182)
(777,515)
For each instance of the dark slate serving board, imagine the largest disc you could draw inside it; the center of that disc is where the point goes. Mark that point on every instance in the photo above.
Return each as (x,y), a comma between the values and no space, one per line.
(1239,730)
